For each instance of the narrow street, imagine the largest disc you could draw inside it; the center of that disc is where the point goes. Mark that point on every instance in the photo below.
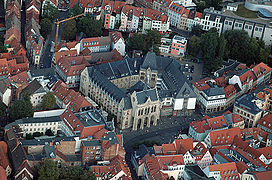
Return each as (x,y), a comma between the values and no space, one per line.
(47,55)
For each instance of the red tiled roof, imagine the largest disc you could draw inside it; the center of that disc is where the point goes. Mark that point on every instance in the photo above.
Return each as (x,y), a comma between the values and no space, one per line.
(266,121)
(201,84)
(184,145)
(227,170)
(224,137)
(200,126)
(115,36)
(4,161)
(246,76)
(241,167)
(72,66)
(62,54)
(230,90)
(265,175)
(261,69)
(266,151)
(3,175)
(220,81)
(73,99)
(217,122)
(255,132)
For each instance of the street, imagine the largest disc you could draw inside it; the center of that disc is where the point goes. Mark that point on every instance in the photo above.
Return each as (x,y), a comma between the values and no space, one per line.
(46,57)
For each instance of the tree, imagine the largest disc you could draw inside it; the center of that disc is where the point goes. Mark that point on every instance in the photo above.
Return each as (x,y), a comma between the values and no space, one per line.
(46,27)
(194,45)
(75,10)
(136,42)
(49,170)
(237,44)
(209,45)
(48,132)
(48,101)
(50,12)
(69,30)
(21,109)
(153,37)
(90,26)
(3,108)
(197,30)
(3,49)
(75,173)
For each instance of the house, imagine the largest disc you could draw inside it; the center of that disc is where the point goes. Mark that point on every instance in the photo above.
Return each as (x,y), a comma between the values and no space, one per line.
(178,46)
(222,171)
(70,68)
(13,65)
(265,175)
(244,79)
(89,7)
(118,42)
(62,54)
(265,99)
(161,5)
(69,98)
(246,107)
(47,77)
(35,91)
(265,123)
(5,92)
(34,46)
(117,168)
(262,72)
(222,137)
(4,160)
(96,44)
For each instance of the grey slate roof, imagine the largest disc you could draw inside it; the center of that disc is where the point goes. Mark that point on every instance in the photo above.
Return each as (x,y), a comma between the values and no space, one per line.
(142,96)
(139,86)
(214,91)
(90,118)
(33,87)
(91,143)
(150,61)
(111,137)
(194,172)
(247,102)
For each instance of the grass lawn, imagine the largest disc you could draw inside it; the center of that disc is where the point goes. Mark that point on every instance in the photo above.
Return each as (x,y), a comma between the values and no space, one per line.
(244,12)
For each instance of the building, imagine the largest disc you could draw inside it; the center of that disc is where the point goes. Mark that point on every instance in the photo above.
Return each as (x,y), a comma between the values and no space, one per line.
(222,137)
(246,107)
(102,83)
(265,99)
(96,44)
(4,160)
(70,68)
(35,91)
(262,73)
(118,42)
(265,123)
(34,45)
(5,92)
(178,46)
(222,171)
(69,98)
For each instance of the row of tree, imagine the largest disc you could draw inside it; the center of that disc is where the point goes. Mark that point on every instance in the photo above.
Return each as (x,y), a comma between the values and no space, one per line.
(49,170)
(234,44)
(145,42)
(3,49)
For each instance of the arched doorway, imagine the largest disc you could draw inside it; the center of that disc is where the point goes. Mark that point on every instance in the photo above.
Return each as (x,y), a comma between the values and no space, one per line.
(139,123)
(146,121)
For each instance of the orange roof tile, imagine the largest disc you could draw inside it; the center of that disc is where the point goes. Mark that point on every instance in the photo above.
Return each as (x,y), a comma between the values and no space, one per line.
(224,137)
(266,121)
(217,122)
(261,69)
(227,170)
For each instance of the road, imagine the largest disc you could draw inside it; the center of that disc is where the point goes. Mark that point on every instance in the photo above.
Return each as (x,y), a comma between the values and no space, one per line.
(46,54)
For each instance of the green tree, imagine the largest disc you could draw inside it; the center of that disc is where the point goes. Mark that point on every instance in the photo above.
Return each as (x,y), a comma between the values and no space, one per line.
(197,30)
(49,170)
(69,30)
(209,46)
(194,45)
(76,173)
(90,26)
(75,10)
(3,108)
(136,42)
(50,12)
(3,49)
(153,40)
(48,101)
(21,109)
(237,44)
(46,27)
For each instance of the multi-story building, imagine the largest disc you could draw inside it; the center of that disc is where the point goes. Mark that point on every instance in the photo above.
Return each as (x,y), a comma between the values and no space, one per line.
(265,123)
(262,73)
(70,68)
(161,5)
(259,29)
(35,91)
(222,171)
(34,46)
(246,107)
(265,99)
(178,46)
(118,42)
(96,44)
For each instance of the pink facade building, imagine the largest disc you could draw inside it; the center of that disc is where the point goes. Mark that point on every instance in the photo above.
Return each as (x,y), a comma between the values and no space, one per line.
(178,46)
